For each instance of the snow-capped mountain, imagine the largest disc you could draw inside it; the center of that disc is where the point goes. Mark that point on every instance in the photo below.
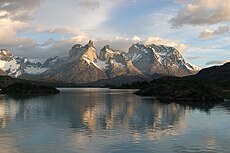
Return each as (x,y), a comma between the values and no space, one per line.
(16,66)
(117,63)
(83,65)
(79,67)
(161,59)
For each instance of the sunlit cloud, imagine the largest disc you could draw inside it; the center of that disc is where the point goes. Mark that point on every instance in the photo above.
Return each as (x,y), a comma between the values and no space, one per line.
(8,33)
(198,12)
(45,28)
(207,33)
(18,9)
(167,42)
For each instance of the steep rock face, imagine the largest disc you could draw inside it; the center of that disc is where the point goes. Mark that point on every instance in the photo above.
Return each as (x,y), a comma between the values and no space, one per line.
(88,52)
(8,63)
(117,63)
(5,54)
(114,68)
(84,66)
(79,67)
(2,72)
(78,71)
(159,59)
(106,53)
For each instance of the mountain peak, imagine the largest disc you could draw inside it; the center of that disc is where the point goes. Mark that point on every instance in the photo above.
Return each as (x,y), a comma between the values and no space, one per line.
(106,52)
(90,44)
(159,59)
(4,53)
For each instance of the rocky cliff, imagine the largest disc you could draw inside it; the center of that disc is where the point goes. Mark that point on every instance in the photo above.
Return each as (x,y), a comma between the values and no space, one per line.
(83,65)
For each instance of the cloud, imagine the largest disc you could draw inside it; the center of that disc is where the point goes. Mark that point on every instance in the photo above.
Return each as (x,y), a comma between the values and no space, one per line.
(18,9)
(8,33)
(217,62)
(56,30)
(193,57)
(199,12)
(50,48)
(89,4)
(207,33)
(207,47)
(171,43)
(117,43)
(13,16)
(60,47)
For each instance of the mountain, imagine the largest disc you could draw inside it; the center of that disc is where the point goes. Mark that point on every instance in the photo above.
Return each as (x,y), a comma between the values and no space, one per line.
(160,59)
(117,63)
(16,66)
(79,67)
(83,65)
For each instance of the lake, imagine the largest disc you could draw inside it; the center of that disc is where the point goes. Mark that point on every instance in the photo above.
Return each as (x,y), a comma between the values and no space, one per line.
(109,121)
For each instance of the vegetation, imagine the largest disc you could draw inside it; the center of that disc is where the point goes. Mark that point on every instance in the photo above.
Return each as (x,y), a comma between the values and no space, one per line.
(27,88)
(209,87)
(9,85)
(173,89)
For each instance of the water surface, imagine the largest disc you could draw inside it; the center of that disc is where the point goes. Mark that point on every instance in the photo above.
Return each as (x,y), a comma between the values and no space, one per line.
(108,121)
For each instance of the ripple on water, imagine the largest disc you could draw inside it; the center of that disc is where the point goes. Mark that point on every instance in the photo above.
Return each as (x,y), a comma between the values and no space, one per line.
(105,120)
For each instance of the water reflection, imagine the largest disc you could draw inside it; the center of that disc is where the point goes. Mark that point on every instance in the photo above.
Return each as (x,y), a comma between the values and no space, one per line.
(8,110)
(90,111)
(90,120)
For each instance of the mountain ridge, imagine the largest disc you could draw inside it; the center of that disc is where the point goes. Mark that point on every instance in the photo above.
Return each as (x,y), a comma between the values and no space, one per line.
(84,65)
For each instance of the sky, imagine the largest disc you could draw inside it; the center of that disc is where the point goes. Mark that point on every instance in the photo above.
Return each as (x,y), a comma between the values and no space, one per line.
(40,29)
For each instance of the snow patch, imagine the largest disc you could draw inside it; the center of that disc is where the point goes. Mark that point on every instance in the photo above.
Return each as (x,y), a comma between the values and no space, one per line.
(135,57)
(87,60)
(2,63)
(110,51)
(100,64)
(35,70)
(192,67)
(10,65)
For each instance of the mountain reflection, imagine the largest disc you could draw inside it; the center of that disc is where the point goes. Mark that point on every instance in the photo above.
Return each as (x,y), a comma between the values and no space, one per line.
(91,110)
(105,120)
(8,111)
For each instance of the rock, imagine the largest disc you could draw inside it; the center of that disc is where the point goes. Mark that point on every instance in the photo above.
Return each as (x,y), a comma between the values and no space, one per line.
(150,59)
(2,72)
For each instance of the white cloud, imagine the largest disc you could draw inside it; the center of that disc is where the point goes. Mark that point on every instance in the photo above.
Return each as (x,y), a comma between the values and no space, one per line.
(13,16)
(207,33)
(89,4)
(18,9)
(8,33)
(217,62)
(136,39)
(117,43)
(198,12)
(50,48)
(171,43)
